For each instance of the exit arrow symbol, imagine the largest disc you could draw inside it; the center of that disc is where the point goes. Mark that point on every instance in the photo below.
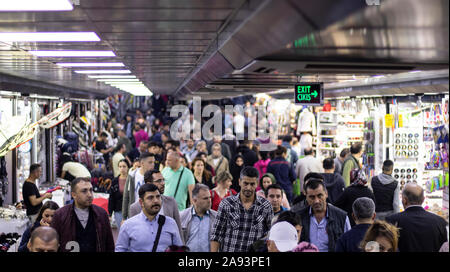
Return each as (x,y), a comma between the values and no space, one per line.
(314,93)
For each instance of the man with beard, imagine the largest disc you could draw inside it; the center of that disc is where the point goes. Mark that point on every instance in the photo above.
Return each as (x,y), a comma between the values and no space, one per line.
(148,231)
(169,206)
(322,223)
(217,160)
(241,219)
(83,226)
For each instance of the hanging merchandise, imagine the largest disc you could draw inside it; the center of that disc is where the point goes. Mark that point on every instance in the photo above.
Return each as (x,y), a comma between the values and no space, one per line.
(7,240)
(56,117)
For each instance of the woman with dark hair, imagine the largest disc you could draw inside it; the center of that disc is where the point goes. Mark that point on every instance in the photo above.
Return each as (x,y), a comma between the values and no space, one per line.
(201,174)
(208,167)
(44,218)
(236,166)
(358,188)
(116,192)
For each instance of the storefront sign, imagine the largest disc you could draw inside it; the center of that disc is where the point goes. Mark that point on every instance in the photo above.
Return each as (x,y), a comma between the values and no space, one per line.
(309,94)
(389,120)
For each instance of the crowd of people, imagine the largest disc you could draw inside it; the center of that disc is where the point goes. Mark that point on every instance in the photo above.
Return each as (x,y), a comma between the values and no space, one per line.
(229,196)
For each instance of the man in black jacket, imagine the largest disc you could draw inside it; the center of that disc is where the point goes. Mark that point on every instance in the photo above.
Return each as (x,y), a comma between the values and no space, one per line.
(322,223)
(333,181)
(420,231)
(387,192)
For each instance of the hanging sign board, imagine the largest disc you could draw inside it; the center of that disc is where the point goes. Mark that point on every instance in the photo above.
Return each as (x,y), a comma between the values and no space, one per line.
(310,94)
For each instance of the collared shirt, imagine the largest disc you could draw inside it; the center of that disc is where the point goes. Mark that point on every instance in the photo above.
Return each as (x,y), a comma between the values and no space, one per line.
(318,231)
(199,233)
(138,234)
(236,228)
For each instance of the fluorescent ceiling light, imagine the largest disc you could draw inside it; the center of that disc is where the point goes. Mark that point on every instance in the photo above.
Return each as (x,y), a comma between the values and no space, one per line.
(103,71)
(111,80)
(113,76)
(62,53)
(90,64)
(33,5)
(49,37)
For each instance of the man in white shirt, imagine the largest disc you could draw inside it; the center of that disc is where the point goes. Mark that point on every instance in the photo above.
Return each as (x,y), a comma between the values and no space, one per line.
(135,180)
(307,165)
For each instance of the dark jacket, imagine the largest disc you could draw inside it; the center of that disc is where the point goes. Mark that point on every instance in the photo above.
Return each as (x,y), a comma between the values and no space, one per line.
(115,197)
(250,157)
(335,225)
(284,174)
(335,186)
(420,231)
(387,193)
(64,223)
(350,241)
(349,196)
(235,171)
(26,237)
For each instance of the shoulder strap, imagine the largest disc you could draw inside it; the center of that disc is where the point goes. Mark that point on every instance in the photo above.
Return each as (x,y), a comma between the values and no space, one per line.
(178,184)
(220,162)
(161,221)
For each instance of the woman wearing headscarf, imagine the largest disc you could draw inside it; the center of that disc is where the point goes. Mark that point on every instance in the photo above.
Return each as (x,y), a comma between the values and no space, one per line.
(265,181)
(236,166)
(358,188)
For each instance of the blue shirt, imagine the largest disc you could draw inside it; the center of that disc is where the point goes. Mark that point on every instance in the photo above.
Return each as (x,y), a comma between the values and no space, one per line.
(318,231)
(138,234)
(199,233)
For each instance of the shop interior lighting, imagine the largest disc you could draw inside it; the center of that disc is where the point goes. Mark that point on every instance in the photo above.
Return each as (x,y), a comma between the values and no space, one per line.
(118,80)
(35,5)
(111,76)
(90,64)
(49,36)
(103,71)
(61,53)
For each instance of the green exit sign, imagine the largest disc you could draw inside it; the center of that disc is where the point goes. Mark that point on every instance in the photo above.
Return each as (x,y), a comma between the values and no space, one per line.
(309,93)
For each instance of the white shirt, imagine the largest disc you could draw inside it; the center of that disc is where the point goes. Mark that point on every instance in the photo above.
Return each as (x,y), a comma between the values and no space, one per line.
(306,122)
(216,161)
(76,169)
(138,181)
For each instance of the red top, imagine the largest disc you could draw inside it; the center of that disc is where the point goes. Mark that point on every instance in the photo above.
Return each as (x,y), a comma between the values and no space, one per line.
(216,199)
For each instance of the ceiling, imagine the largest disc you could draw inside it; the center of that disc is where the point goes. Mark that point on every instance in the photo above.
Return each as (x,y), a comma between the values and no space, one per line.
(217,48)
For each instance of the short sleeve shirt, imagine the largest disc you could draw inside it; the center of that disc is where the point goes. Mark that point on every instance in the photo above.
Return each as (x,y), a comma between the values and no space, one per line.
(30,189)
(171,177)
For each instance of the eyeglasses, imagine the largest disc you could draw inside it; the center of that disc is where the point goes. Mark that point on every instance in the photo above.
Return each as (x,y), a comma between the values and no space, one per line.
(159,180)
